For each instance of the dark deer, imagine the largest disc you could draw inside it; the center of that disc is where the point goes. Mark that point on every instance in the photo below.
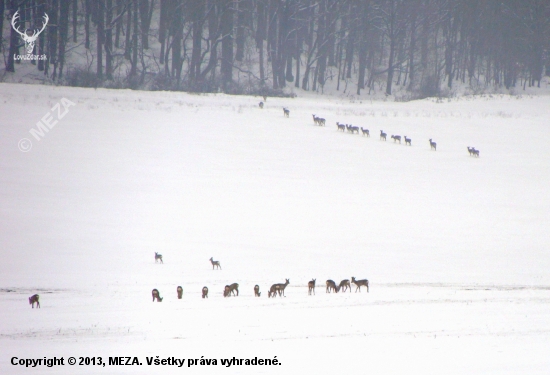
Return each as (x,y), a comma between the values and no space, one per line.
(321,121)
(156,295)
(204,292)
(407,141)
(354,129)
(382,135)
(470,150)
(341,127)
(34,299)
(158,257)
(261,105)
(311,286)
(433,145)
(215,263)
(365,132)
(344,284)
(278,288)
(257,292)
(180,292)
(331,285)
(230,290)
(475,152)
(360,283)
(286,112)
(316,120)
(396,138)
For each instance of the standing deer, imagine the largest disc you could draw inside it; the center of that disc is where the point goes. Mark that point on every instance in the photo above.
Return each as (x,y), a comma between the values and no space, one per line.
(204,292)
(286,112)
(158,257)
(156,295)
(215,263)
(344,284)
(407,141)
(34,299)
(396,138)
(341,127)
(382,135)
(257,292)
(278,288)
(180,292)
(365,132)
(331,285)
(475,152)
(311,286)
(470,150)
(230,289)
(360,283)
(433,145)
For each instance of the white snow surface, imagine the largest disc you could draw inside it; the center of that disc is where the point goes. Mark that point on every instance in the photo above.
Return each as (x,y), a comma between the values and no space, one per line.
(456,248)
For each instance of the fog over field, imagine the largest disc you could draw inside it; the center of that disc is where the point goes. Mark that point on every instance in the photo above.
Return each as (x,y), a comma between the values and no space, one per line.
(455,248)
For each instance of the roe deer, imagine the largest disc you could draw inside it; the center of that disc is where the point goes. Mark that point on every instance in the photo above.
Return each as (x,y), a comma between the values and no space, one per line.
(278,288)
(257,292)
(331,285)
(156,295)
(433,145)
(261,105)
(34,299)
(407,141)
(321,121)
(204,292)
(180,292)
(341,127)
(354,129)
(158,257)
(215,263)
(470,150)
(475,152)
(286,112)
(311,286)
(396,138)
(344,284)
(316,120)
(230,289)
(360,283)
(365,132)
(382,135)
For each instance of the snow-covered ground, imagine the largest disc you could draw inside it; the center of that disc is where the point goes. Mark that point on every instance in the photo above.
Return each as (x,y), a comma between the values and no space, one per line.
(456,248)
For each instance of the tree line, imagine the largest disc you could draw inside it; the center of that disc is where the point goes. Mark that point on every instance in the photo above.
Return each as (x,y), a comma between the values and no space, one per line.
(210,45)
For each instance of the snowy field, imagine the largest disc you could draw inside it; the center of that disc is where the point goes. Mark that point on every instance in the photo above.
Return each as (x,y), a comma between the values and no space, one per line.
(456,248)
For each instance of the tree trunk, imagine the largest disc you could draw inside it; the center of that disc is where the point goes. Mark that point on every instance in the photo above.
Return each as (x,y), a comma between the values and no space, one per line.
(63,34)
(227,44)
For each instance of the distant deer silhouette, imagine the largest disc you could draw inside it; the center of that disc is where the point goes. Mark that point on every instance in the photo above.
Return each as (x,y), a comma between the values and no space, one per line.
(204,292)
(433,145)
(475,152)
(344,284)
(278,288)
(382,135)
(470,150)
(311,286)
(286,112)
(341,127)
(215,263)
(360,283)
(365,132)
(261,105)
(331,286)
(156,295)
(396,138)
(230,290)
(158,257)
(257,292)
(180,292)
(407,141)
(34,299)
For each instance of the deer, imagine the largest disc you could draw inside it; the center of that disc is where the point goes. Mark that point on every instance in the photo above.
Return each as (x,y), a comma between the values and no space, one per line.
(34,299)
(278,288)
(321,121)
(257,292)
(396,138)
(365,132)
(261,105)
(470,150)
(215,263)
(475,152)
(29,39)
(382,135)
(204,292)
(344,284)
(311,287)
(180,291)
(316,120)
(360,283)
(433,145)
(331,285)
(286,112)
(158,257)
(407,141)
(354,129)
(341,127)
(156,295)
(230,290)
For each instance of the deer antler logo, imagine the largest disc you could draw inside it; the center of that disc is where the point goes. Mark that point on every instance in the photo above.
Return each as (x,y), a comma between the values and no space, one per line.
(29,39)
